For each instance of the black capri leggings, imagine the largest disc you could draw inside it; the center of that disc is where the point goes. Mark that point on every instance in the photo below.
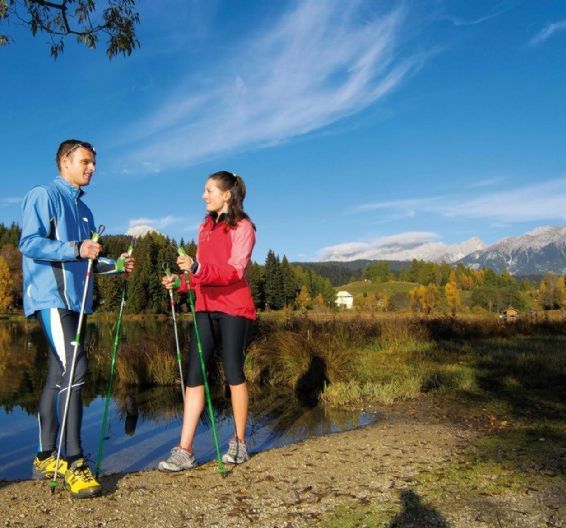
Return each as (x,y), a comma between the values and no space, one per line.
(219,331)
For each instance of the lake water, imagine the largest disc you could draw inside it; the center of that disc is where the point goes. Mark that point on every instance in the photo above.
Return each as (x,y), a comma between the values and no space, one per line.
(143,424)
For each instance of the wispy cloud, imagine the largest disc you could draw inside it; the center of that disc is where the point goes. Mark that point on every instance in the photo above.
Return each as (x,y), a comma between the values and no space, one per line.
(487,182)
(541,201)
(497,10)
(547,32)
(10,200)
(319,62)
(398,205)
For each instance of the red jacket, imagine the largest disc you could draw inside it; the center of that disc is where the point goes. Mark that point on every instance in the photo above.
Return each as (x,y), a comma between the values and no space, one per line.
(220,281)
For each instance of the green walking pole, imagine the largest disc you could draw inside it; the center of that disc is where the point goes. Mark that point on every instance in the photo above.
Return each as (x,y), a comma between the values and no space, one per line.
(221,467)
(167,271)
(112,368)
(53,483)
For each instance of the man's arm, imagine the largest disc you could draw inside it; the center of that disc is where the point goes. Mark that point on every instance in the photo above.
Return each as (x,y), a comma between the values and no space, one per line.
(38,221)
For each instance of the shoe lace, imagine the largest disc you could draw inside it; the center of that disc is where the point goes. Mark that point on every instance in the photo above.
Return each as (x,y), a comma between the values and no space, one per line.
(83,472)
(233,448)
(179,456)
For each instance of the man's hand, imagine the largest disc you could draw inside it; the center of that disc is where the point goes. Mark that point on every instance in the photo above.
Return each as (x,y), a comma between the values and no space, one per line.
(90,249)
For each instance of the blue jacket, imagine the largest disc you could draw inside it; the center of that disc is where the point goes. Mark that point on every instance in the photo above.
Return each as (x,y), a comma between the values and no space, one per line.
(54,219)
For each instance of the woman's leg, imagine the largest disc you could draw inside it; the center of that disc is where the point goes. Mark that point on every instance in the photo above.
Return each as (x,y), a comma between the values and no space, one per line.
(194,404)
(234,334)
(181,457)
(239,397)
(194,391)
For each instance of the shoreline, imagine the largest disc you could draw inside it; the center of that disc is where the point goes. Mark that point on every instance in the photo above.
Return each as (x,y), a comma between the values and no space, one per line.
(375,470)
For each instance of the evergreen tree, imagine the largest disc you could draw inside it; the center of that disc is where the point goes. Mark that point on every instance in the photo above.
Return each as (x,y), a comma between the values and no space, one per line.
(273,283)
(254,274)
(289,282)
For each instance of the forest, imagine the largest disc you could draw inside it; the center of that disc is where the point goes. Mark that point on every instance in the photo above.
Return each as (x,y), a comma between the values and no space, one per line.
(277,284)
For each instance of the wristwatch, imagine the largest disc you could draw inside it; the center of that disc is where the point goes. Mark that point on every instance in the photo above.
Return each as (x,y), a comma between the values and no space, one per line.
(78,249)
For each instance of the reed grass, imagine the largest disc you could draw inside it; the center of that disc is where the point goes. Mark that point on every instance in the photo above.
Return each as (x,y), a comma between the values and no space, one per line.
(366,359)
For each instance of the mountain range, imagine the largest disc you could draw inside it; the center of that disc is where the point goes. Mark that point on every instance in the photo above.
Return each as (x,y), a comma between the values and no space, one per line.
(537,252)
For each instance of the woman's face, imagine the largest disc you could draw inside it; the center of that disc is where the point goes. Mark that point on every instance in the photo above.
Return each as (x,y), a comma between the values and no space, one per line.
(215,199)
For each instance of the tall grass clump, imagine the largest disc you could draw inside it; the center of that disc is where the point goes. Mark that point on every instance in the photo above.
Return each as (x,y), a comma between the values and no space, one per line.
(146,364)
(278,359)
(129,369)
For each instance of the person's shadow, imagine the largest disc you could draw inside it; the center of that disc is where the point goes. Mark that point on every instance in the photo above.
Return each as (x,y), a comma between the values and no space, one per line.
(415,514)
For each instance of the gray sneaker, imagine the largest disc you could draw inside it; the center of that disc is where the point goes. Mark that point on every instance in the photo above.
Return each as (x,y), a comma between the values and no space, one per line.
(178,460)
(237,453)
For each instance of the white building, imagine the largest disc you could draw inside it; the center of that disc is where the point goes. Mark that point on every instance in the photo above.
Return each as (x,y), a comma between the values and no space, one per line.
(344,300)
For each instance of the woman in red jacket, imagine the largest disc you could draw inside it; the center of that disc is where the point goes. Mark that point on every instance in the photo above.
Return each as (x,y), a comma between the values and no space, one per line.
(224,310)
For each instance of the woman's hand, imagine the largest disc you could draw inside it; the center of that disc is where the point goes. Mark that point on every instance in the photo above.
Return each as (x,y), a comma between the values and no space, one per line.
(184,262)
(129,262)
(169,280)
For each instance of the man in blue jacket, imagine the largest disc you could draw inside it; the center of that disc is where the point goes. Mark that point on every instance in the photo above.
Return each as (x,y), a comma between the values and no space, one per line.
(56,246)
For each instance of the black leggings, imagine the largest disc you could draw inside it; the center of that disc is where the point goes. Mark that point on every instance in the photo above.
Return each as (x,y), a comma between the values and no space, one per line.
(218,330)
(60,328)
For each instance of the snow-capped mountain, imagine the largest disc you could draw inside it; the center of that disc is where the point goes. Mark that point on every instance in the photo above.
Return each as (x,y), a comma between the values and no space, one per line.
(540,251)
(537,252)
(404,248)
(139,231)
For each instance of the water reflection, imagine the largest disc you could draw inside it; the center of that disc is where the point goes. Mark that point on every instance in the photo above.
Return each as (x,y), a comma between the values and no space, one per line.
(143,424)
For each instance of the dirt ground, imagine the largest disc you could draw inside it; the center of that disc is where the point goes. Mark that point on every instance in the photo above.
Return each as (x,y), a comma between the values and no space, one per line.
(369,476)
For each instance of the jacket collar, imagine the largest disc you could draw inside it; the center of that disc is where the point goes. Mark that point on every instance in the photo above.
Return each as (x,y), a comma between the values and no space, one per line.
(217,219)
(66,187)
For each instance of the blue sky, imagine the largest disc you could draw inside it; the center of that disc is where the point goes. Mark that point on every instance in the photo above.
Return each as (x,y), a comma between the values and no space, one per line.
(351,121)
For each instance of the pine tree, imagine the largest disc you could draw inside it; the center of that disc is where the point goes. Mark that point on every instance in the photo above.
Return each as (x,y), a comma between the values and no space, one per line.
(289,282)
(254,274)
(273,283)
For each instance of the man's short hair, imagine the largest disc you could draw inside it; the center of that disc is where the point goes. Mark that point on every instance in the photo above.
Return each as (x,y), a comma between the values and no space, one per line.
(67,146)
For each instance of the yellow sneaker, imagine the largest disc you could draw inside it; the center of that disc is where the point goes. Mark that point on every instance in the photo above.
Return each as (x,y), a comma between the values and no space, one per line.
(45,469)
(80,481)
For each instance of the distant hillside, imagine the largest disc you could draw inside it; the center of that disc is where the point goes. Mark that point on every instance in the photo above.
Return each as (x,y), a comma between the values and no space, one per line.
(345,272)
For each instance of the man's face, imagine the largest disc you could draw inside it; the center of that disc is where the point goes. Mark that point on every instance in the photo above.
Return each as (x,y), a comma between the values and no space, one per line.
(78,167)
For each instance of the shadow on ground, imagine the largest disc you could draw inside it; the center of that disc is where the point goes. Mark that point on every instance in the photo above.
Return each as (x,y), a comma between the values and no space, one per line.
(415,514)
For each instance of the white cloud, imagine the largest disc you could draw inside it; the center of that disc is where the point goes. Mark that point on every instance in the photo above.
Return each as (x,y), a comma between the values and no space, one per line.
(11,200)
(374,248)
(156,223)
(320,62)
(547,32)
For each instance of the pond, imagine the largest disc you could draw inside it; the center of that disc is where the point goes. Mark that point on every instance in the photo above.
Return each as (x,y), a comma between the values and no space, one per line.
(144,423)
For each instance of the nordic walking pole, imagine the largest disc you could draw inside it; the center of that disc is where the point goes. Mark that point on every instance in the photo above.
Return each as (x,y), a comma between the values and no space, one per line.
(95,236)
(112,366)
(221,467)
(167,270)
